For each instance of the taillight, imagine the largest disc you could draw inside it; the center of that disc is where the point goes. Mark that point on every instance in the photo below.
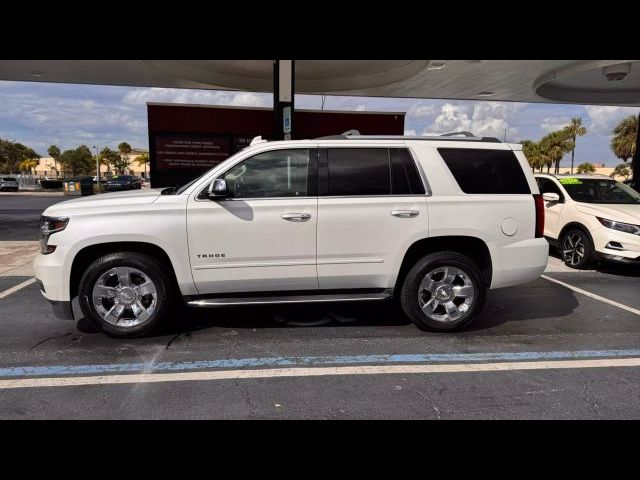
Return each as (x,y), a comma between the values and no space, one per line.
(539,215)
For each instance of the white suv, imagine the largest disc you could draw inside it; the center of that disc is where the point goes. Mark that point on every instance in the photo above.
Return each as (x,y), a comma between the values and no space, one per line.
(591,217)
(431,222)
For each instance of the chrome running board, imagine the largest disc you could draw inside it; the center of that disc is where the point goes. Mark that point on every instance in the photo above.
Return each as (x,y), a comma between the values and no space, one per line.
(309,298)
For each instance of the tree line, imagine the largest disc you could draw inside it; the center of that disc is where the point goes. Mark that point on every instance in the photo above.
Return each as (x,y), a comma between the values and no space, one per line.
(551,149)
(15,157)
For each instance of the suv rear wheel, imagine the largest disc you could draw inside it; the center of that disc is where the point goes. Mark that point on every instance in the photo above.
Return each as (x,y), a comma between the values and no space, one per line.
(443,291)
(125,294)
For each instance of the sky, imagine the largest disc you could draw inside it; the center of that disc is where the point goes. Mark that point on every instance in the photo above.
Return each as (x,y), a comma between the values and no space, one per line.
(41,114)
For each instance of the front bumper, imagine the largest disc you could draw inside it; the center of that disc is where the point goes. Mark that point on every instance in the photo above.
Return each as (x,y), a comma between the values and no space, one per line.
(618,258)
(604,237)
(61,309)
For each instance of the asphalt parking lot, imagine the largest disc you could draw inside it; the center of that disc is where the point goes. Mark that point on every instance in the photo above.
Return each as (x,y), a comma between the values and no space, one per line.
(545,350)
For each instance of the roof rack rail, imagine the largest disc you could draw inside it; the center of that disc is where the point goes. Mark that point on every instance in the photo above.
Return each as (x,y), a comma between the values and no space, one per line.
(439,138)
(342,136)
(464,133)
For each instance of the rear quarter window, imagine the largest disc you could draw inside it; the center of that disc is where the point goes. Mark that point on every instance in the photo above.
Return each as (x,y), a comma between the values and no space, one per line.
(483,171)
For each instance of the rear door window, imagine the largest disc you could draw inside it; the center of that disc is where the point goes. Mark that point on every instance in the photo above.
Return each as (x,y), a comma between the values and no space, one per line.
(358,171)
(405,179)
(485,171)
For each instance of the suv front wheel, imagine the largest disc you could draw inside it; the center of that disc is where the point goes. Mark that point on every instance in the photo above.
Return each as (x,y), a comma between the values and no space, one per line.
(443,291)
(125,294)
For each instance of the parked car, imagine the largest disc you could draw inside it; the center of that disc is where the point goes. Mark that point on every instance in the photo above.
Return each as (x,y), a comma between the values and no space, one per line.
(123,182)
(9,184)
(591,217)
(433,222)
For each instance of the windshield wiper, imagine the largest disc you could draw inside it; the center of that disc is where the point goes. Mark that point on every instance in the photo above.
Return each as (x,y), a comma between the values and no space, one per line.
(169,190)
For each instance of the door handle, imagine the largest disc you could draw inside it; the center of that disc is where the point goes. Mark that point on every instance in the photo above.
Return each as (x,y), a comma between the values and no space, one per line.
(405,213)
(296,217)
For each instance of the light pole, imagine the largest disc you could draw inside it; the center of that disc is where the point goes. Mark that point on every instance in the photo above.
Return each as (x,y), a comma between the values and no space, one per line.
(97,169)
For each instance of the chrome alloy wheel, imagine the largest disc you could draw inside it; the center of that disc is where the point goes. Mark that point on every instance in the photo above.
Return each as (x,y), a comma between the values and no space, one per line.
(124,296)
(445,294)
(573,249)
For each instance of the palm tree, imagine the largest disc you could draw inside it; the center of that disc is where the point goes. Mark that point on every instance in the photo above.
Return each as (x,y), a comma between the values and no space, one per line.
(621,170)
(54,152)
(143,159)
(556,145)
(586,167)
(536,155)
(573,130)
(623,142)
(28,164)
(625,138)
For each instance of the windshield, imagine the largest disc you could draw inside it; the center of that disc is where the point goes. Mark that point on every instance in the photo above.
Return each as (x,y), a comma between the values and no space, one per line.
(588,190)
(9,179)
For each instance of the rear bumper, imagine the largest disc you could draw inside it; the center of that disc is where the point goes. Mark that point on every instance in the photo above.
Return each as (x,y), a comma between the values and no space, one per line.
(520,262)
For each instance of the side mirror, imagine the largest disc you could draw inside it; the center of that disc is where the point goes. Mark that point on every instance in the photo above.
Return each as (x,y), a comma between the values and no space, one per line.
(551,197)
(218,189)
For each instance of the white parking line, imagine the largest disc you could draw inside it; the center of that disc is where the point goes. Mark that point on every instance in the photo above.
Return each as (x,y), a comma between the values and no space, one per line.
(20,286)
(593,295)
(315,372)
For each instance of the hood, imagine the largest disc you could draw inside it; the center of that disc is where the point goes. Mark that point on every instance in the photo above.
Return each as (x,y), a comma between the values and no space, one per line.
(620,213)
(105,201)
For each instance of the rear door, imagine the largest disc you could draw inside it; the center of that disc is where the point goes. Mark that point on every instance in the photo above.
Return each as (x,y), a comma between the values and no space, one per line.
(371,206)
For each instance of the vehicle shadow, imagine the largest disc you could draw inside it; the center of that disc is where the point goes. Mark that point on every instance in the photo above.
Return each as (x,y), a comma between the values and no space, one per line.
(537,300)
(610,268)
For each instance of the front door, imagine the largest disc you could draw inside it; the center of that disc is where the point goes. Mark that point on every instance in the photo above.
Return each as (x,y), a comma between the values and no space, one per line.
(263,238)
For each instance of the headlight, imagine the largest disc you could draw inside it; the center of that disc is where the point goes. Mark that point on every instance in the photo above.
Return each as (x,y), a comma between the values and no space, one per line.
(49,226)
(622,227)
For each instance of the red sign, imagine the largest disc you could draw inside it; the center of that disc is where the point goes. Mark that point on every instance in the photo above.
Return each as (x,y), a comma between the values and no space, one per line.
(195,152)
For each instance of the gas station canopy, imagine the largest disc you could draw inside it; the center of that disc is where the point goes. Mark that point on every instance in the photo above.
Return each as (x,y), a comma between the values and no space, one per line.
(598,82)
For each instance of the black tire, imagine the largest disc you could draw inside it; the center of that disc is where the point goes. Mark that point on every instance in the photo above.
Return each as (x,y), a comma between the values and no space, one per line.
(581,246)
(152,268)
(409,294)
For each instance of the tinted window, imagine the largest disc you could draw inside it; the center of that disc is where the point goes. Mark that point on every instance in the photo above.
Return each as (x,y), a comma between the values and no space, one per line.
(9,179)
(358,171)
(485,171)
(548,186)
(405,178)
(279,173)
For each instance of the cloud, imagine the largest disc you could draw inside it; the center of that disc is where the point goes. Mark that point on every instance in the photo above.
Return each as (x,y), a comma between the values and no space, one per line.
(207,97)
(421,111)
(604,118)
(550,124)
(410,133)
(481,118)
